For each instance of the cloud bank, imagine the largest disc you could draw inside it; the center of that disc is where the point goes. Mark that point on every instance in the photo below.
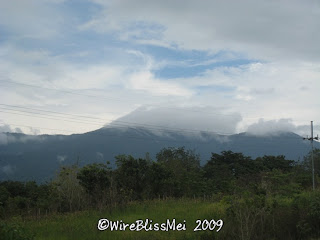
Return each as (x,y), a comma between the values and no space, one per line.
(183,119)
(105,59)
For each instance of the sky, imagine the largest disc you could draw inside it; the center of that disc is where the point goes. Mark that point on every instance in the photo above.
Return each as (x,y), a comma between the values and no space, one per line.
(221,66)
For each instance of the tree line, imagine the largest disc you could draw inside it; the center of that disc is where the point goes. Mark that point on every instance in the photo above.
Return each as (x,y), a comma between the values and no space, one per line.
(268,197)
(175,173)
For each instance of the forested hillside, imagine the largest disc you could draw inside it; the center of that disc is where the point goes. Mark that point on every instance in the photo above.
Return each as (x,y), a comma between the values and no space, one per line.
(27,158)
(268,197)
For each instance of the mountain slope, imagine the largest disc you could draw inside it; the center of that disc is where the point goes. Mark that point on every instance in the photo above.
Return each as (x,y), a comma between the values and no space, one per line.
(39,157)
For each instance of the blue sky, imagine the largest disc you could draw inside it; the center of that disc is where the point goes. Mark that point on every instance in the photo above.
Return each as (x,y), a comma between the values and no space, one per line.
(256,60)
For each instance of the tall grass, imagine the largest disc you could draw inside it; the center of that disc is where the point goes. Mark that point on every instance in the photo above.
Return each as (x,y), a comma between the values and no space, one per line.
(83,225)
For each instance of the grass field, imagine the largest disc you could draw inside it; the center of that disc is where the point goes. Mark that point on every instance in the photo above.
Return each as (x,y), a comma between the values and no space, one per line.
(83,225)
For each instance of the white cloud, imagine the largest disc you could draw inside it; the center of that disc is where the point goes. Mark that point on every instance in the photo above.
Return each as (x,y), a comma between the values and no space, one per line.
(5,128)
(99,155)
(188,120)
(61,158)
(257,90)
(263,29)
(275,127)
(115,89)
(283,82)
(31,19)
(8,169)
(145,81)
(264,90)
(271,127)
(5,138)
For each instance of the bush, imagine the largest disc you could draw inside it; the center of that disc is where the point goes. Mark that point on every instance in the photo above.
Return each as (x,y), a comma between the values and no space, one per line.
(14,231)
(308,207)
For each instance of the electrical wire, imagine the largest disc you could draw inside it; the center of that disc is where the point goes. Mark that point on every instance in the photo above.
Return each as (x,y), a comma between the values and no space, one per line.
(117,123)
(116,99)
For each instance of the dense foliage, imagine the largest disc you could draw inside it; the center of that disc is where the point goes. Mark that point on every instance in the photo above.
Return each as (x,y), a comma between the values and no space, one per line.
(265,198)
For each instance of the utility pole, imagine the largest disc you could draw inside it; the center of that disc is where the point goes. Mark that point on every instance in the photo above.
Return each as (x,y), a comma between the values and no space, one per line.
(312,160)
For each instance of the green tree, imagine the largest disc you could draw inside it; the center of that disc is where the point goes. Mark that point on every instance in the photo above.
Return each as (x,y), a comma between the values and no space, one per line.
(277,182)
(95,179)
(184,172)
(4,195)
(158,177)
(69,192)
(268,163)
(131,176)
(223,171)
(246,216)
(15,188)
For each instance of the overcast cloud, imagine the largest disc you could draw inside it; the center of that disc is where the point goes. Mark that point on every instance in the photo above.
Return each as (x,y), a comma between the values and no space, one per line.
(274,127)
(222,66)
(186,119)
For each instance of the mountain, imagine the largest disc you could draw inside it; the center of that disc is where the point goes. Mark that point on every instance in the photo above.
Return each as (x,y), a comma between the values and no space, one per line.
(29,157)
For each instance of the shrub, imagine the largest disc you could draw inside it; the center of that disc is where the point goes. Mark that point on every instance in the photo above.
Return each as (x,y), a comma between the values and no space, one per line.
(14,231)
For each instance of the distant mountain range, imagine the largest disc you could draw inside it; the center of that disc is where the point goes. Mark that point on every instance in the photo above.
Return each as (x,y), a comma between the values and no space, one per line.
(29,157)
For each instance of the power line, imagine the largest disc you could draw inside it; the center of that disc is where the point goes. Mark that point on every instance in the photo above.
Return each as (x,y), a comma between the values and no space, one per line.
(121,124)
(55,129)
(91,122)
(121,127)
(116,99)
(117,123)
(52,118)
(59,90)
(117,135)
(62,113)
(50,114)
(125,125)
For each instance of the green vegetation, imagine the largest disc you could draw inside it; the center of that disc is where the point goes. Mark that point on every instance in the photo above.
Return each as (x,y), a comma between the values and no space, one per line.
(264,198)
(83,225)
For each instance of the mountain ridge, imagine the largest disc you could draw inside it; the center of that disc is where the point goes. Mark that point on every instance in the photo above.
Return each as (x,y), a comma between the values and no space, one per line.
(38,157)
